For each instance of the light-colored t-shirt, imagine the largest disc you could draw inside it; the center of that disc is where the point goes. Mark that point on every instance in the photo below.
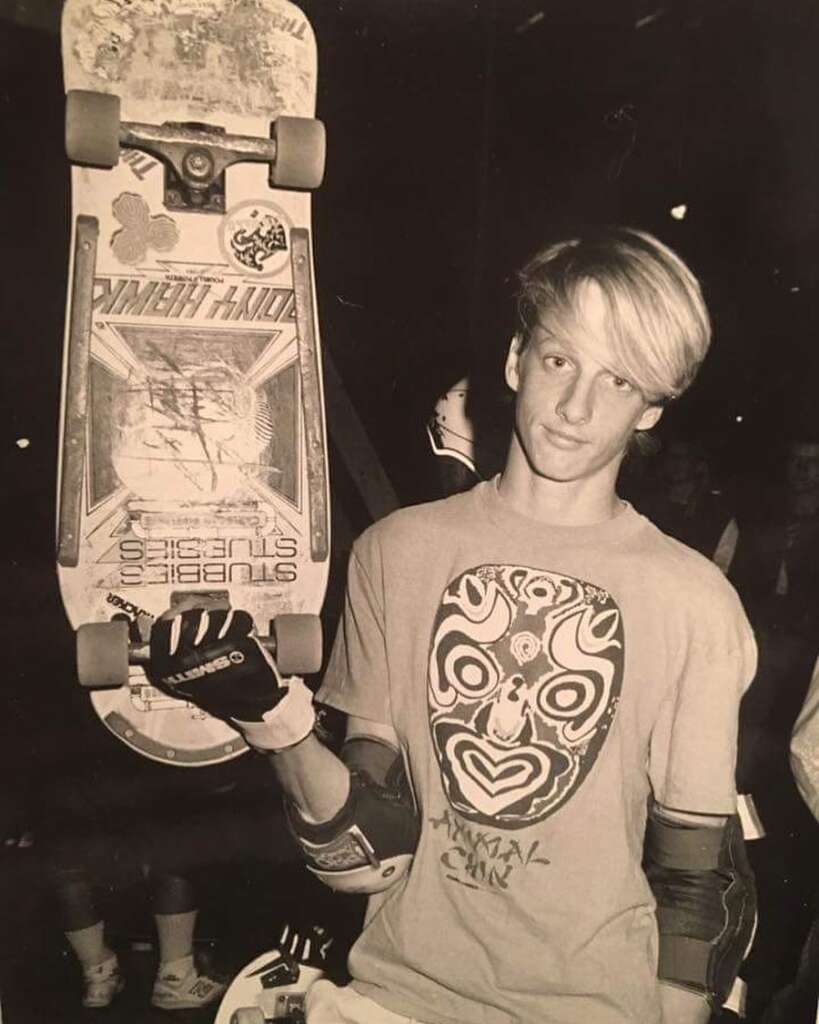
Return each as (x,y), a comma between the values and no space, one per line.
(543,682)
(805,746)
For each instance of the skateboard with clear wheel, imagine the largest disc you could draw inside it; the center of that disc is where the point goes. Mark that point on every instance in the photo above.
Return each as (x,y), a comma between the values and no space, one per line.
(193,443)
(273,986)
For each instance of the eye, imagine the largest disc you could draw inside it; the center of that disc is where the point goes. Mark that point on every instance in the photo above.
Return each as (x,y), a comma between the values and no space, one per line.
(554,362)
(621,384)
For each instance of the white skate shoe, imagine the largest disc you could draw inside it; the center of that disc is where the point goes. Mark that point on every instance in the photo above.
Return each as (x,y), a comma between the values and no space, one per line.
(102,983)
(174,990)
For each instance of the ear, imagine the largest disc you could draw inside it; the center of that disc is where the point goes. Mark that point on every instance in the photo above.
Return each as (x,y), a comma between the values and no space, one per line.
(511,370)
(650,418)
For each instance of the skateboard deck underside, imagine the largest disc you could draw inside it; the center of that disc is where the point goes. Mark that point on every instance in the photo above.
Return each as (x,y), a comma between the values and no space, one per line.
(199,407)
(273,983)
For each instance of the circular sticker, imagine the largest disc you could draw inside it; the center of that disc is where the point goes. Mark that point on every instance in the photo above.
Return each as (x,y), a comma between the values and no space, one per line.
(255,238)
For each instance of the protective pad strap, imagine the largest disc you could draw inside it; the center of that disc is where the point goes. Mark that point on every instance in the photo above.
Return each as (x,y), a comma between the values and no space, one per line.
(368,845)
(706,903)
(682,848)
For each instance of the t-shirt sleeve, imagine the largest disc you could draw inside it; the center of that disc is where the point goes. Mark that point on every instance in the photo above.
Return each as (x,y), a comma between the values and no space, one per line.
(805,746)
(692,764)
(357,677)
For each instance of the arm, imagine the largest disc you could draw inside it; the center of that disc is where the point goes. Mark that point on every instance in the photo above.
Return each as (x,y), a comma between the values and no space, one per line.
(694,855)
(805,747)
(682,1007)
(313,778)
(679,1005)
(352,816)
(316,781)
(369,843)
(706,909)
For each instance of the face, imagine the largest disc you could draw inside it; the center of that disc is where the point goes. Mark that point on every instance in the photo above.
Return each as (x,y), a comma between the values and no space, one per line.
(575,410)
(803,467)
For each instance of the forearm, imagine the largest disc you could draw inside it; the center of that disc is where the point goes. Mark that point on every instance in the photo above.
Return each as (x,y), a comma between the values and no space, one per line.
(682,1007)
(313,779)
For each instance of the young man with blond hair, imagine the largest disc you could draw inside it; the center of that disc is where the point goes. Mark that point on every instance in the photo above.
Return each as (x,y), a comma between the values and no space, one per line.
(537,786)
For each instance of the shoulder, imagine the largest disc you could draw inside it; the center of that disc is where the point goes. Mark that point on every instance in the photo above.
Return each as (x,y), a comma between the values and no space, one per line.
(704,600)
(418,525)
(678,562)
(704,605)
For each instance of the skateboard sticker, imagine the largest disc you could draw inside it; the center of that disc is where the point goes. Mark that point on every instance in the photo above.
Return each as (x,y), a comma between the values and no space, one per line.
(254,238)
(140,230)
(525,674)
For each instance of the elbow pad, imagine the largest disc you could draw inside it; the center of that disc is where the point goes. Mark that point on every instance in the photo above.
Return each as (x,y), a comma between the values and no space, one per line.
(706,903)
(369,844)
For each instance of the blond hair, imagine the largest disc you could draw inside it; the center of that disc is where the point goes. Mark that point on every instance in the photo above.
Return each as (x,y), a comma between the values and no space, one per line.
(655,312)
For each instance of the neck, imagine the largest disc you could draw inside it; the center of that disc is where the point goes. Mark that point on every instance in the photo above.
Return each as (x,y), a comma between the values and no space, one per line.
(561,502)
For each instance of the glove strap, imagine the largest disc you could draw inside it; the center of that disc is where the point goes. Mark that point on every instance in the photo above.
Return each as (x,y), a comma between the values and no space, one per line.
(287,724)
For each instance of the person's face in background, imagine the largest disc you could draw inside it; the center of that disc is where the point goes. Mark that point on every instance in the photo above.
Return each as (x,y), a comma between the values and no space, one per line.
(803,468)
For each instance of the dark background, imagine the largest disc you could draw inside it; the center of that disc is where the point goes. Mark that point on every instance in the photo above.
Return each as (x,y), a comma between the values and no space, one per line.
(461,134)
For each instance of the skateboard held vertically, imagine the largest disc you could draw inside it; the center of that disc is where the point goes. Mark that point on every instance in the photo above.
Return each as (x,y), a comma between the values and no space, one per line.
(193,446)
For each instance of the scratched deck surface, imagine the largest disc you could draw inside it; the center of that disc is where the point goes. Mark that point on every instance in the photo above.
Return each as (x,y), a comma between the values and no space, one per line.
(195,475)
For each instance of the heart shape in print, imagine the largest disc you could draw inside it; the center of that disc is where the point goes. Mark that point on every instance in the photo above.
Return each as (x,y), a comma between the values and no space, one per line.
(484,777)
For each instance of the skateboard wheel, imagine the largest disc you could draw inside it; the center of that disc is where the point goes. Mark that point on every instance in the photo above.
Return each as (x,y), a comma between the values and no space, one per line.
(247,1015)
(298,644)
(92,128)
(102,654)
(300,151)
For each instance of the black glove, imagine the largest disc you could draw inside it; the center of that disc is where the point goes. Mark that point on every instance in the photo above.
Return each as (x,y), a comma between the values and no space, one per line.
(211,658)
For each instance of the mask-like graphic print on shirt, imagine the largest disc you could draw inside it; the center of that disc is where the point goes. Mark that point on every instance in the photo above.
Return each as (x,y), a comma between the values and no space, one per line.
(525,673)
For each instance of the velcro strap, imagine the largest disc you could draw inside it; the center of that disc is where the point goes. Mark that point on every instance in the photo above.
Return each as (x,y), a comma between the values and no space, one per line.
(684,848)
(674,921)
(288,723)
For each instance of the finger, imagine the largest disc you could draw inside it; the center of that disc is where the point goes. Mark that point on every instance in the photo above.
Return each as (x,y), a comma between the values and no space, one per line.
(144,624)
(192,626)
(222,624)
(214,625)
(241,624)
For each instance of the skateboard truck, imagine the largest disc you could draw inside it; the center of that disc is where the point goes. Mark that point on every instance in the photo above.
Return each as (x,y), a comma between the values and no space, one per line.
(105,651)
(195,155)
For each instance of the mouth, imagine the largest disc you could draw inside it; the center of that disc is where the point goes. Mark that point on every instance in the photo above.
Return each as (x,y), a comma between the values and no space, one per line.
(568,442)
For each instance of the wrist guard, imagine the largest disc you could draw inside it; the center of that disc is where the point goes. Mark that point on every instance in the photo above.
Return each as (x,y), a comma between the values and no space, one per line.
(288,723)
(706,903)
(369,844)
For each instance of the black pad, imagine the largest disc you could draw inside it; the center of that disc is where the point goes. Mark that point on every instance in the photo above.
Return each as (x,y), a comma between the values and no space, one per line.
(706,903)
(370,843)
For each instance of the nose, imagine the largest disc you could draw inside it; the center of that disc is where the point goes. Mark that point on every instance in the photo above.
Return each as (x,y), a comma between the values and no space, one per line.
(576,403)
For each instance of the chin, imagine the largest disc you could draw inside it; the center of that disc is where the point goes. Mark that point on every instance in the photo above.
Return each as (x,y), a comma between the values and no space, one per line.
(560,474)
